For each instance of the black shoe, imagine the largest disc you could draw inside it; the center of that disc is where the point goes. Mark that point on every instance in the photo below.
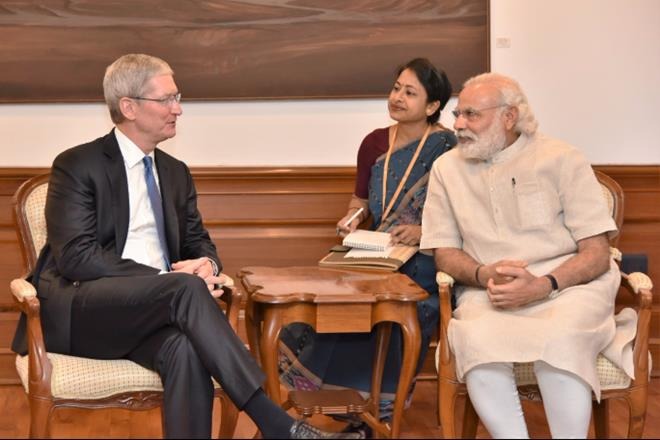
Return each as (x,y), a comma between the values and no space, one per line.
(360,427)
(302,429)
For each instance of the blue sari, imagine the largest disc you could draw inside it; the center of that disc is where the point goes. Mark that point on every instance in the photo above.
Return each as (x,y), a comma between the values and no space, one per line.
(310,361)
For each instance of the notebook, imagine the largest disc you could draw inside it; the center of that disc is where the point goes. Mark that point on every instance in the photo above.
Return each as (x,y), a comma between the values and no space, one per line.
(338,257)
(369,240)
(368,253)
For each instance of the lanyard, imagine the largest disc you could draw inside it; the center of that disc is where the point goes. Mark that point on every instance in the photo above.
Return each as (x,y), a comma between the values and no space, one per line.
(387,210)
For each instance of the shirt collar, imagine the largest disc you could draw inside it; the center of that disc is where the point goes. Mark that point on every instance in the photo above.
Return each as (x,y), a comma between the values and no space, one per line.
(511,150)
(131,152)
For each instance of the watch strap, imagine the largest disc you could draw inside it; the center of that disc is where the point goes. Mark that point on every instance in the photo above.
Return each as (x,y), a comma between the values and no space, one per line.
(554,284)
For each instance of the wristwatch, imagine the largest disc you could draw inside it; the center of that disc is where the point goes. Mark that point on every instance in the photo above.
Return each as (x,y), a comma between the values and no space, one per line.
(214,265)
(554,284)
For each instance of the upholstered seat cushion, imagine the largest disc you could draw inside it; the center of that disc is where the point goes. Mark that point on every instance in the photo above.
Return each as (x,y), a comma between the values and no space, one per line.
(610,376)
(83,378)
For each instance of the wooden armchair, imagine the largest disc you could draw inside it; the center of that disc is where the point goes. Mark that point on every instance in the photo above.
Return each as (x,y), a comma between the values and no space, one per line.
(615,384)
(54,380)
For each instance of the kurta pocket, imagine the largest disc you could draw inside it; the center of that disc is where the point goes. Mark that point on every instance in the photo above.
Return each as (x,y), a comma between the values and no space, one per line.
(533,209)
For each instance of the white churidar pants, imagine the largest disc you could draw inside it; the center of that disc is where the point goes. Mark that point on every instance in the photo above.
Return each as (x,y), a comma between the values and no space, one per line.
(494,395)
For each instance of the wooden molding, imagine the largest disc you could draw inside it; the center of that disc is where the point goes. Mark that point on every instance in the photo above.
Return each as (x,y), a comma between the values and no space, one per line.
(285,216)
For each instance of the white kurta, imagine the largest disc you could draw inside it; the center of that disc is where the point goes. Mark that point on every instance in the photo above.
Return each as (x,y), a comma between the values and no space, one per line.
(532,201)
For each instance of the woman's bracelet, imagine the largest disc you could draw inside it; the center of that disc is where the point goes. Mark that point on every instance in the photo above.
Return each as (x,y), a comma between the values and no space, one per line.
(476,274)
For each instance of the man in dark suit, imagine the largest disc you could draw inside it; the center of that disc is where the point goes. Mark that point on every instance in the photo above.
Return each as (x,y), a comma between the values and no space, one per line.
(128,270)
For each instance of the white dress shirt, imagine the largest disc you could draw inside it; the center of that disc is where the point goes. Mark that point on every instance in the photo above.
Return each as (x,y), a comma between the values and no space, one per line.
(142,242)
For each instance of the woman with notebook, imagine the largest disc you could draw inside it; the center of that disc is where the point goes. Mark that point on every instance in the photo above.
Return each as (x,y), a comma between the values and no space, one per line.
(393,164)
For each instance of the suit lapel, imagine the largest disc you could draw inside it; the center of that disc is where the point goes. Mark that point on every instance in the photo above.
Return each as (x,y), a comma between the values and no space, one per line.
(116,173)
(167,182)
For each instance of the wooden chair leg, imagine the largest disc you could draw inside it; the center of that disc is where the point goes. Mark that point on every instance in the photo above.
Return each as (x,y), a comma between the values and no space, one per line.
(40,412)
(637,401)
(470,419)
(601,415)
(447,396)
(228,417)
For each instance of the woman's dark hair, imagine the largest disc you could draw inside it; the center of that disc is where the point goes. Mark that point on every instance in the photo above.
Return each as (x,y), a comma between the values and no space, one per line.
(435,82)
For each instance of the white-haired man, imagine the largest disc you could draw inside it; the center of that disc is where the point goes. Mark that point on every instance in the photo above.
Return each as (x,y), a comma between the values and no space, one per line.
(519,220)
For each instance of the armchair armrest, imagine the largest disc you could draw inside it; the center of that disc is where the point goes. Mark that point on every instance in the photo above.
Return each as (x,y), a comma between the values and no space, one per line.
(445,358)
(25,295)
(444,278)
(640,283)
(640,286)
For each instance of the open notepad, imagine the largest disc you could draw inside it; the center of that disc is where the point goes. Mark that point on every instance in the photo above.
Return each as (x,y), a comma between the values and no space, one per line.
(368,250)
(368,240)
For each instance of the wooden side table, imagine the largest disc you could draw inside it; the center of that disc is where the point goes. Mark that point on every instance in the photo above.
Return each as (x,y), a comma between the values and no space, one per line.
(334,301)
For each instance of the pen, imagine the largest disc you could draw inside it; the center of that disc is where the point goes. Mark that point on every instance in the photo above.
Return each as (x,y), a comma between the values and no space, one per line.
(353,217)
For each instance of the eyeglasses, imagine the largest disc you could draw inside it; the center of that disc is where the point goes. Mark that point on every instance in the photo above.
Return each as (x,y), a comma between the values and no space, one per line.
(472,114)
(168,100)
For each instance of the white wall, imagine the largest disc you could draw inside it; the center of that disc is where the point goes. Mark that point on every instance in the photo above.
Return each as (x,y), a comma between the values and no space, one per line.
(591,69)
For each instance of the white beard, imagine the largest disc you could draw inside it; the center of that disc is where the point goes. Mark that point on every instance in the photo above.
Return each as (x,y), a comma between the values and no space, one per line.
(483,147)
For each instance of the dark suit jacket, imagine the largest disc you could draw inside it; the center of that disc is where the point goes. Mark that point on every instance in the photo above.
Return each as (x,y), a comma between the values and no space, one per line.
(87,216)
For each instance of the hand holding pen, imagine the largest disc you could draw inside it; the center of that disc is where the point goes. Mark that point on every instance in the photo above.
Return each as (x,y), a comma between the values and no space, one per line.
(349,223)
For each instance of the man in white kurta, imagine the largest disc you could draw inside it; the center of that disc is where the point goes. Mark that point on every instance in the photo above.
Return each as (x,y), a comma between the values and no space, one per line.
(520,221)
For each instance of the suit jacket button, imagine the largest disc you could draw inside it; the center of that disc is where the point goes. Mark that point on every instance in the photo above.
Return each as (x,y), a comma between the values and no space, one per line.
(76,284)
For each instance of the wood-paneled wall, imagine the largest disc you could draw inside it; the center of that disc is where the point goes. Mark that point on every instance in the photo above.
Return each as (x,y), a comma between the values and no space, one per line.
(286,216)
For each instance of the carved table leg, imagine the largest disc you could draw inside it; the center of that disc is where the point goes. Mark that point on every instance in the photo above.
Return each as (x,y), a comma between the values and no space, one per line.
(411,347)
(269,338)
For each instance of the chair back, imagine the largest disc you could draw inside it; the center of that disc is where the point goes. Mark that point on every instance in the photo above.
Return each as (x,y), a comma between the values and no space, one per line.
(57,380)
(614,195)
(29,202)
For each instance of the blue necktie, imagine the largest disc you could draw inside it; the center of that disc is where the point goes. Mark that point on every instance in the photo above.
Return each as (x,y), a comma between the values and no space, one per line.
(156,206)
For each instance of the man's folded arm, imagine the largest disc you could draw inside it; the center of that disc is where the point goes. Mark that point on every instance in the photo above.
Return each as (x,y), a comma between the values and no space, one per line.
(197,241)
(72,231)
